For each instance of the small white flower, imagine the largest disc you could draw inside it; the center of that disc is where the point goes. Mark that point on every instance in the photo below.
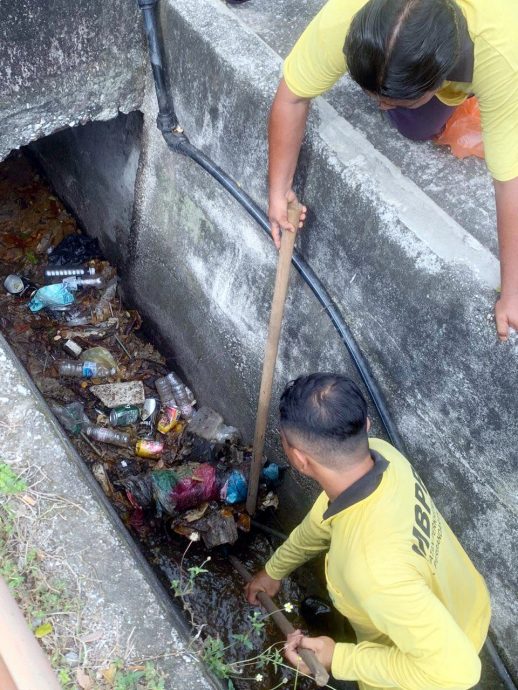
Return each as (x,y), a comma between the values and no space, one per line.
(284,680)
(259,677)
(194,536)
(288,607)
(207,559)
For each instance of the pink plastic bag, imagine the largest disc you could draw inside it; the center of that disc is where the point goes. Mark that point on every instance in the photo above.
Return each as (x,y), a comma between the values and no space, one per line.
(463,131)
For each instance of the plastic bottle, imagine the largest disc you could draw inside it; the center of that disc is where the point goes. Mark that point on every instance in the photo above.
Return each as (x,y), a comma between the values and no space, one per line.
(86,370)
(73,283)
(165,392)
(72,416)
(64,271)
(103,435)
(183,401)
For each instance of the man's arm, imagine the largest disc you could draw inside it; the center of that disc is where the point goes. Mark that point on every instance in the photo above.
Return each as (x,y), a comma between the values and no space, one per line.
(306,541)
(506,309)
(287,123)
(429,649)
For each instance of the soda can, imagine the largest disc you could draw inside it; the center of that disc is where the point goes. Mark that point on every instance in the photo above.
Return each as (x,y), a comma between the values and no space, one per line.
(124,415)
(147,448)
(168,418)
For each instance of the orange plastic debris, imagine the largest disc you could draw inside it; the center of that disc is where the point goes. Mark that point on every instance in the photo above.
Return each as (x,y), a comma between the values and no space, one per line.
(463,131)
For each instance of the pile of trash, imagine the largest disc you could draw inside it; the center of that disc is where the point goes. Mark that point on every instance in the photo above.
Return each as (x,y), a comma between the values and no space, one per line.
(156,454)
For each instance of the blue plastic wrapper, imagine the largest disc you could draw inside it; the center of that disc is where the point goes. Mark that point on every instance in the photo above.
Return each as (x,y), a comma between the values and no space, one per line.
(235,489)
(51,296)
(271,472)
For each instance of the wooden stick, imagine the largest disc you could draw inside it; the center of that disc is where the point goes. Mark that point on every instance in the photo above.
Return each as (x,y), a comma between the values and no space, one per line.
(318,671)
(270,355)
(23,660)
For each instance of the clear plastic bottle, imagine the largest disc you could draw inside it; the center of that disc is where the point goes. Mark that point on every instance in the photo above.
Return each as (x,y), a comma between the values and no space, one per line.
(73,282)
(72,416)
(103,435)
(183,400)
(85,370)
(58,271)
(165,392)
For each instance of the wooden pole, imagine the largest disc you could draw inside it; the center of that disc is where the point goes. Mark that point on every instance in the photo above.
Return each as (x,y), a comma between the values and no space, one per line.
(270,355)
(318,671)
(23,660)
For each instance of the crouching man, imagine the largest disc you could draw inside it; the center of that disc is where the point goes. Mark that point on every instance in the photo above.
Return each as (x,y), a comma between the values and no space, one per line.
(394,568)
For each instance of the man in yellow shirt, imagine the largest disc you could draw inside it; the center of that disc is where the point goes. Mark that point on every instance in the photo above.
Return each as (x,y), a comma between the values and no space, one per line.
(418,59)
(418,606)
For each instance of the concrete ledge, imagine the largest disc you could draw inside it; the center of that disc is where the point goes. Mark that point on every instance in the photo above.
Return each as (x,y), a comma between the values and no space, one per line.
(60,67)
(122,597)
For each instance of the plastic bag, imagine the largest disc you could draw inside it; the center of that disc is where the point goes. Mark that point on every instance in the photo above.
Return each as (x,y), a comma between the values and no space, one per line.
(52,296)
(74,249)
(174,491)
(99,355)
(463,131)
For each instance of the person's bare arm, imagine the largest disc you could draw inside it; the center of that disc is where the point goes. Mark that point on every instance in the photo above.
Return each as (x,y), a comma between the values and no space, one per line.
(506,309)
(287,123)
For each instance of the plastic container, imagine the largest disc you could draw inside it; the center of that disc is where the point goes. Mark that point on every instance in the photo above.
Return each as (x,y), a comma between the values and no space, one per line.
(64,271)
(103,435)
(85,370)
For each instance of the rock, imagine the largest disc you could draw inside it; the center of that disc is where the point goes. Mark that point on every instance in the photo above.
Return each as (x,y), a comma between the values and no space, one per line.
(113,394)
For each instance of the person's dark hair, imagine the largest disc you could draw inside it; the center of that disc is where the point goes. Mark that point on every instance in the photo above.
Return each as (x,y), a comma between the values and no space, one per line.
(327,413)
(401,49)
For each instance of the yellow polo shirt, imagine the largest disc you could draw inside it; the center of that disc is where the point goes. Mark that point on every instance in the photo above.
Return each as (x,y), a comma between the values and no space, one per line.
(395,569)
(317,61)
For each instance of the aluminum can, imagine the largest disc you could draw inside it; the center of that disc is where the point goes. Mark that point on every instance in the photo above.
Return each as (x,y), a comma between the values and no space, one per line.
(124,415)
(168,418)
(147,448)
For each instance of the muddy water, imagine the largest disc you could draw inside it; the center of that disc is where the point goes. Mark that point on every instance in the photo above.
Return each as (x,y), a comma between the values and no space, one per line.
(32,220)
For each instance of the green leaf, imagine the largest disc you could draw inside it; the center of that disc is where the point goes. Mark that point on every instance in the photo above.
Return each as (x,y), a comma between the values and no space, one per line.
(43,630)
(9,482)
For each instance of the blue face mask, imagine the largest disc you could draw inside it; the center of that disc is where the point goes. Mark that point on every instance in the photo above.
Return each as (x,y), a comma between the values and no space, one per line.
(52,296)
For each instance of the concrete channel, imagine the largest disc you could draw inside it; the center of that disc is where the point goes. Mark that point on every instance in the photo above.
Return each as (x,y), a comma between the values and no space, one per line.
(402,235)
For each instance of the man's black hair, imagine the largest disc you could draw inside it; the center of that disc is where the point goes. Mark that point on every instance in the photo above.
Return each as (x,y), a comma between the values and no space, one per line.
(401,49)
(326,411)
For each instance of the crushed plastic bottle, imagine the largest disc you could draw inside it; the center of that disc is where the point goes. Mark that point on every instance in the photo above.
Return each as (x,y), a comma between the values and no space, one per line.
(183,401)
(165,392)
(86,370)
(73,283)
(72,416)
(103,435)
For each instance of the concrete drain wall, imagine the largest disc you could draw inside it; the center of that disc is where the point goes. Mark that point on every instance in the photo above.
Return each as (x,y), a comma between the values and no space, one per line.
(416,287)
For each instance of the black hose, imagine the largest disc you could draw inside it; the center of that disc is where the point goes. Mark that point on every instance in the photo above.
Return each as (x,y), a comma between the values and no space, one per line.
(179,143)
(176,140)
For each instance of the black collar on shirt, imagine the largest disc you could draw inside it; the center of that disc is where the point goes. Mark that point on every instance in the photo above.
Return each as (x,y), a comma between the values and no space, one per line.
(463,69)
(362,488)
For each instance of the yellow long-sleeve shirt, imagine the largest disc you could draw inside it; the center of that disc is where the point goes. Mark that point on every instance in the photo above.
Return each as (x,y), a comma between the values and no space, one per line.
(395,569)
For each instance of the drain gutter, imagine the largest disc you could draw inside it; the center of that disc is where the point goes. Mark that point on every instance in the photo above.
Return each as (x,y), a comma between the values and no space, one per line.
(178,142)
